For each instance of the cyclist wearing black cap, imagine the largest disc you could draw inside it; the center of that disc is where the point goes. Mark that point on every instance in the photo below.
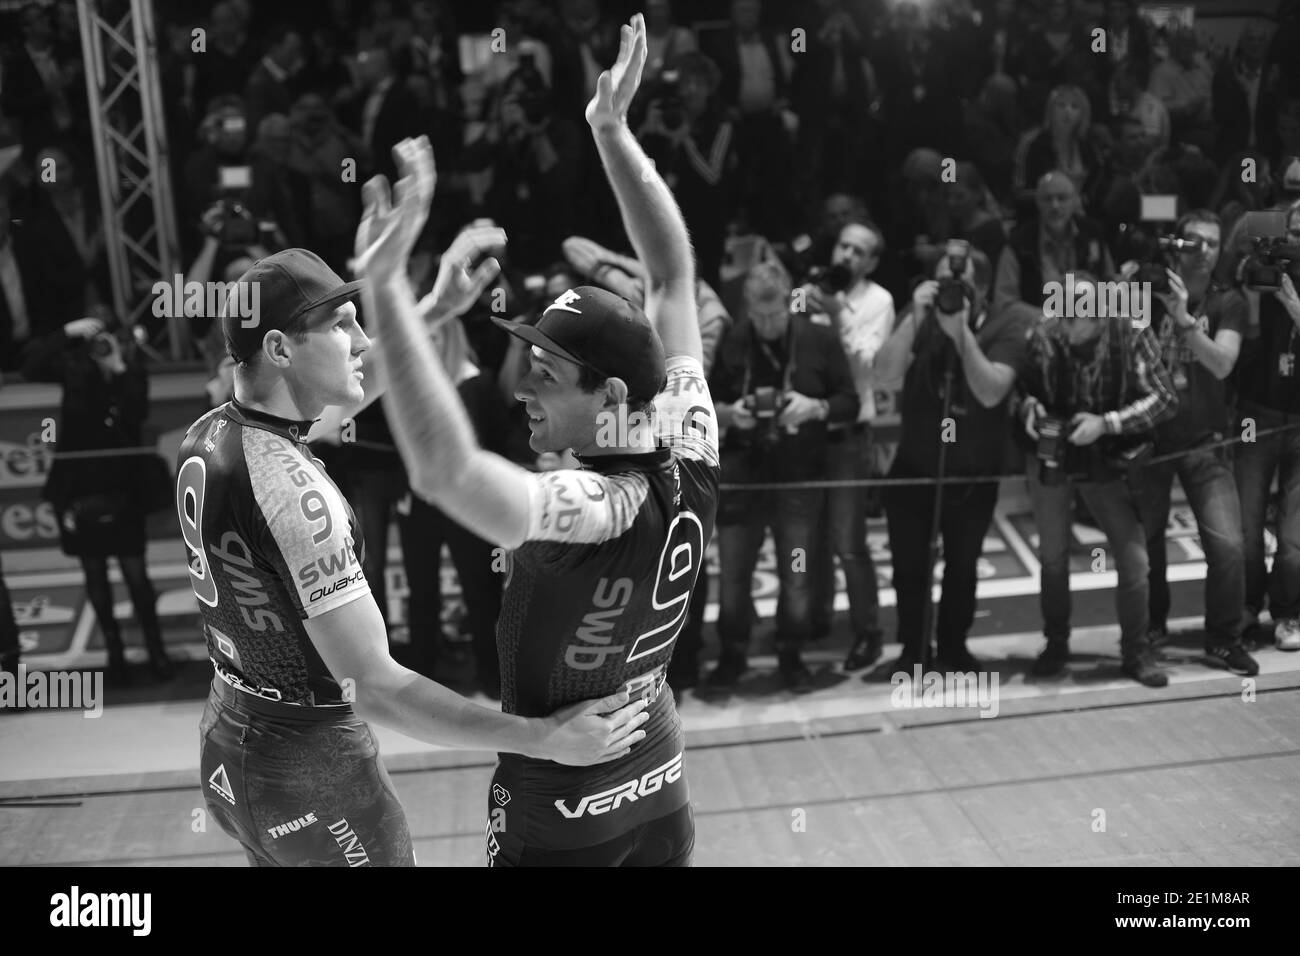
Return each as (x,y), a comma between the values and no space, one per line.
(290,768)
(603,558)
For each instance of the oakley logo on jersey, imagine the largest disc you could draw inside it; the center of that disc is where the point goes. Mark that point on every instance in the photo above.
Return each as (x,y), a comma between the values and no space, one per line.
(596,629)
(291,827)
(500,794)
(334,563)
(349,842)
(607,800)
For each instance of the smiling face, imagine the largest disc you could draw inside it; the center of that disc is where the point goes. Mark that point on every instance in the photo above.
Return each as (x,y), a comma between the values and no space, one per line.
(325,367)
(560,414)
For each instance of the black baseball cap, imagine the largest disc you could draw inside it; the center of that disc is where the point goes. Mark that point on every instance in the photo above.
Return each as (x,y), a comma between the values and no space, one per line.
(288,284)
(602,331)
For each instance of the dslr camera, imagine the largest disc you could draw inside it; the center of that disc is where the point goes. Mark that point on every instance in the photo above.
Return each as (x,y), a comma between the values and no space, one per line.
(669,100)
(1143,242)
(1271,256)
(103,345)
(830,279)
(531,92)
(954,293)
(235,225)
(765,403)
(238,227)
(1155,258)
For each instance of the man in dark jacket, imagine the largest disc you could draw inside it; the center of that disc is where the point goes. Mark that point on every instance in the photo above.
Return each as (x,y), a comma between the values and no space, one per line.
(973,355)
(778,381)
(1048,246)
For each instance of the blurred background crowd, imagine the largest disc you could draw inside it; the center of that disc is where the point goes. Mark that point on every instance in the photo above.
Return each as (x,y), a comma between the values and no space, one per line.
(828,151)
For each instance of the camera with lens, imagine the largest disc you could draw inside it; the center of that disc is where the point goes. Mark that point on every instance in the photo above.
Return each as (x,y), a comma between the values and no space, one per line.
(1050,450)
(1152,265)
(1271,256)
(528,88)
(830,279)
(102,345)
(954,293)
(238,227)
(669,100)
(765,404)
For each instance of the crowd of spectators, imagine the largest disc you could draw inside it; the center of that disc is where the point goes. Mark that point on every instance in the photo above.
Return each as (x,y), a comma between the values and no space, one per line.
(825,155)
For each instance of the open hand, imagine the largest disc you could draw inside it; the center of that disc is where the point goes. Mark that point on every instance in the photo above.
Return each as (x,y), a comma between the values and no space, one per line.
(593,731)
(1286,294)
(457,287)
(390,226)
(615,88)
(1175,300)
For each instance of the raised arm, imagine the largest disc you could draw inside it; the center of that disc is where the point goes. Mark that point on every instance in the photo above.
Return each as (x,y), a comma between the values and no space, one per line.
(650,214)
(454,291)
(446,466)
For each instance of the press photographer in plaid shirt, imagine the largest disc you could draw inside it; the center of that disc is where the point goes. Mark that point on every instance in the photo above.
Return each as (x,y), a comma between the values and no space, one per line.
(1093,390)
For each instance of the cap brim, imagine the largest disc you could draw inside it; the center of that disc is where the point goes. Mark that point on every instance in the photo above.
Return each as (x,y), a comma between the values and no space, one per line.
(533,336)
(333,298)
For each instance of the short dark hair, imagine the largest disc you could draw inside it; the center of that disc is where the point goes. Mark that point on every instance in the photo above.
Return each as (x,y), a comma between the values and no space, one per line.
(871,227)
(1197,215)
(589,380)
(295,328)
(694,63)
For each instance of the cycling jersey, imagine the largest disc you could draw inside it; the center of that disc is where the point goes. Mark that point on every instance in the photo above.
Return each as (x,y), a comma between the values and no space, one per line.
(290,771)
(594,599)
(271,543)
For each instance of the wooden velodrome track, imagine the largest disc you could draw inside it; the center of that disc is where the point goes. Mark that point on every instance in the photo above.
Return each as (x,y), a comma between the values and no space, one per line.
(1089,770)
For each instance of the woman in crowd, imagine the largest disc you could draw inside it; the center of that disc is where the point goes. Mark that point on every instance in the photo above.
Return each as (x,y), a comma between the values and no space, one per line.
(1060,143)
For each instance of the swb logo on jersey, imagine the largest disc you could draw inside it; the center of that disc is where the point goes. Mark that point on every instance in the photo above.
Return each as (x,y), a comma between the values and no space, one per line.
(650,782)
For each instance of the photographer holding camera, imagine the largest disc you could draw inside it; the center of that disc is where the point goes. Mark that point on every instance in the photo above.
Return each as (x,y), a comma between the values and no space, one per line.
(536,168)
(102,502)
(1200,336)
(952,355)
(778,382)
(1268,390)
(861,312)
(688,134)
(1093,389)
